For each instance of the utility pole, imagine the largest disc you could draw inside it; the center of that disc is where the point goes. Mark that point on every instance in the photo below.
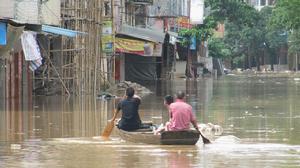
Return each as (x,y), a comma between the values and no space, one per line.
(189,57)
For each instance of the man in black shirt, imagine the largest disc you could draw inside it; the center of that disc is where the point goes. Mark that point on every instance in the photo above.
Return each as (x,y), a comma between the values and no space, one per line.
(130,119)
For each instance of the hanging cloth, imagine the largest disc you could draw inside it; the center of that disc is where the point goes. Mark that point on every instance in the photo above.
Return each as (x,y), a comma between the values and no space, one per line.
(31,49)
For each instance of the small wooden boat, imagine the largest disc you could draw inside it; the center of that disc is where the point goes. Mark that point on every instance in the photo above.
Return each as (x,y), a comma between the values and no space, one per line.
(189,137)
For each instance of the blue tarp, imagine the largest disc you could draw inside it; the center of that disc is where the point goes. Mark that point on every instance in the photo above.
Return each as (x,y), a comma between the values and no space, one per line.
(193,43)
(60,31)
(3,30)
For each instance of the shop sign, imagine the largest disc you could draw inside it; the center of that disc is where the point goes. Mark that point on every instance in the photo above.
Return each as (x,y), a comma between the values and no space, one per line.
(139,47)
(183,22)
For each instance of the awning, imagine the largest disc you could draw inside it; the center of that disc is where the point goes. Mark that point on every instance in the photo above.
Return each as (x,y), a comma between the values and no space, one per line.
(12,36)
(3,30)
(61,31)
(142,33)
(138,47)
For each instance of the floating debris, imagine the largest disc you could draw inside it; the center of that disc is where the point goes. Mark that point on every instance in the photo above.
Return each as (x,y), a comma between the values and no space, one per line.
(15,146)
(119,89)
(210,129)
(105,95)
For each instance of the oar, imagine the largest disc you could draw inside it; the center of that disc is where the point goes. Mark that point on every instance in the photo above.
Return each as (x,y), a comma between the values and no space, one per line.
(205,140)
(109,127)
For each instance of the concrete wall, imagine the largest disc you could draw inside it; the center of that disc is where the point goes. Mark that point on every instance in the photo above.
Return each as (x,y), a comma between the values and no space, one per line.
(27,11)
(7,8)
(31,11)
(51,12)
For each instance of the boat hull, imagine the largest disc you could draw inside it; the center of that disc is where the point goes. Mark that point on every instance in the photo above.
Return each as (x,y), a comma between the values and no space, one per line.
(189,137)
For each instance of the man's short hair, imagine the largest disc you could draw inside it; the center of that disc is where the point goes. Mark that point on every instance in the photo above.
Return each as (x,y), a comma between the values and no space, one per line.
(169,99)
(130,92)
(180,95)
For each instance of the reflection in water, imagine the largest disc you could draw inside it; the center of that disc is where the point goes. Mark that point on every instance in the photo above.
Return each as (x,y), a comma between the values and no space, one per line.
(252,155)
(89,152)
(179,158)
(263,109)
(259,116)
(56,117)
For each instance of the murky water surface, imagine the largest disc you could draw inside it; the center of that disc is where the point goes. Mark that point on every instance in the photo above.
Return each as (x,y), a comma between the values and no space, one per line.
(259,115)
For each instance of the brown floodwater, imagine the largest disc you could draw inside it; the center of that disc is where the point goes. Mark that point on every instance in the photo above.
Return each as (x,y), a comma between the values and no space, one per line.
(260,116)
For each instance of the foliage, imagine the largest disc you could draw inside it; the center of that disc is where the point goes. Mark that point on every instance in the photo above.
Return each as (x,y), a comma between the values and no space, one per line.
(234,11)
(276,38)
(249,32)
(201,32)
(218,49)
(286,14)
(244,30)
(238,60)
(294,41)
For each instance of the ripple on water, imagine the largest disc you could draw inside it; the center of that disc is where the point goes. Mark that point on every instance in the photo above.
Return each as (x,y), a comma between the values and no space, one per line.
(93,140)
(231,146)
(228,139)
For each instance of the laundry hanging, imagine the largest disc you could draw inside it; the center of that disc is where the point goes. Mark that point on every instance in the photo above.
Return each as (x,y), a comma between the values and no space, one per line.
(31,49)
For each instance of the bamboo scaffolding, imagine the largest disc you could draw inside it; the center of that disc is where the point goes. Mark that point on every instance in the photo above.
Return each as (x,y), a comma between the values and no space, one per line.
(83,67)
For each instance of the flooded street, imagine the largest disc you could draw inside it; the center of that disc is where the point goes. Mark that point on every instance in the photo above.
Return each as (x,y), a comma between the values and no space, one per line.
(259,115)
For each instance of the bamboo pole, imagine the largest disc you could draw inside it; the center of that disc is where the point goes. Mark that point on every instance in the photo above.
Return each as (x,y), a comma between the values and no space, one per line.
(112,56)
(96,50)
(84,52)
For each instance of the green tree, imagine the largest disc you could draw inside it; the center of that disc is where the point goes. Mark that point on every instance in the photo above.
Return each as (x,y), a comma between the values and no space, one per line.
(243,35)
(294,48)
(274,37)
(234,11)
(218,49)
(201,32)
(286,15)
(247,32)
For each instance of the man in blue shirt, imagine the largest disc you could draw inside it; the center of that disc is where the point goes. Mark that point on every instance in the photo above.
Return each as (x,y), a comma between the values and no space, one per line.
(130,119)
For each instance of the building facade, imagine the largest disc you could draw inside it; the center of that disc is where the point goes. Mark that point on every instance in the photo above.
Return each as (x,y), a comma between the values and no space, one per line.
(258,4)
